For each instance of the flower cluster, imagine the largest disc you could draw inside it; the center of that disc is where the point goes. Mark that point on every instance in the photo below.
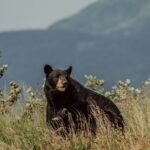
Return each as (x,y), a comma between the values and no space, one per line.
(147,82)
(9,101)
(95,84)
(119,92)
(2,70)
(32,104)
(15,90)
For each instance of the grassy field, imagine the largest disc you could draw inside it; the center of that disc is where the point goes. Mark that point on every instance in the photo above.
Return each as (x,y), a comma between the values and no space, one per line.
(23,125)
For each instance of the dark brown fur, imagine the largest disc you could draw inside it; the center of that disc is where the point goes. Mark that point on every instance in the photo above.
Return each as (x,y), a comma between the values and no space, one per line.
(75,98)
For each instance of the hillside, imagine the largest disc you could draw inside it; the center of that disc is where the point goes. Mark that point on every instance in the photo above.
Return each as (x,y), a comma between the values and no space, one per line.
(108,17)
(109,39)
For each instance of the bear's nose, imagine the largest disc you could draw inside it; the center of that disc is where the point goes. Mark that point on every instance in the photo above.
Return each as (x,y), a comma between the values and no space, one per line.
(65,82)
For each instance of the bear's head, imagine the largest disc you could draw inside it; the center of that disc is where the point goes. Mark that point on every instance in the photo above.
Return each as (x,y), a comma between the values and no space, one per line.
(57,79)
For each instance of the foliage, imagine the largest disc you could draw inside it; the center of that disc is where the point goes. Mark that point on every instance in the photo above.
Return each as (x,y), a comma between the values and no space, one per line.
(94,84)
(2,70)
(27,129)
(12,97)
(119,92)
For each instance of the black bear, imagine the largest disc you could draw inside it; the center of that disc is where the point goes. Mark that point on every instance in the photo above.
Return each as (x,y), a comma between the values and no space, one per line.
(67,96)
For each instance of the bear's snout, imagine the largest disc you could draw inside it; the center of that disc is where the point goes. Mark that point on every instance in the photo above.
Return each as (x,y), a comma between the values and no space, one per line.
(65,82)
(62,84)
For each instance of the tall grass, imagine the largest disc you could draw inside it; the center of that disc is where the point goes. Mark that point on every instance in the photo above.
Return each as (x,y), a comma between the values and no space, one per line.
(26,129)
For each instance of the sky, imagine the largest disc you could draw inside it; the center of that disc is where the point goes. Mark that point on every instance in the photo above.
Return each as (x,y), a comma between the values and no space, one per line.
(36,14)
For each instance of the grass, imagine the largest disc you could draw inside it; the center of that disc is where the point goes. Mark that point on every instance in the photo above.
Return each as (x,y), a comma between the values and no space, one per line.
(26,129)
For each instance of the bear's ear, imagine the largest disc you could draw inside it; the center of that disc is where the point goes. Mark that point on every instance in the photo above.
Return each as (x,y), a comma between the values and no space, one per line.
(47,69)
(69,70)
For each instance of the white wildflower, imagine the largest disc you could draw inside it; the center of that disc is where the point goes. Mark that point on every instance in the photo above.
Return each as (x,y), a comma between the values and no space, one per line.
(29,90)
(147,83)
(27,105)
(32,94)
(121,83)
(107,93)
(5,66)
(131,89)
(128,81)
(138,91)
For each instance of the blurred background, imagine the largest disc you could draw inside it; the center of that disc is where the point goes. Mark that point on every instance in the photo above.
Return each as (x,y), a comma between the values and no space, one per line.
(106,38)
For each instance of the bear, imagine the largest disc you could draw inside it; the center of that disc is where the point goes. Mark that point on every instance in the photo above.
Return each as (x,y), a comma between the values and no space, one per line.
(67,97)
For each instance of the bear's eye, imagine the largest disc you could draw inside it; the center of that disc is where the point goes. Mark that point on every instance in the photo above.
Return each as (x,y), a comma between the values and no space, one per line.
(57,76)
(65,75)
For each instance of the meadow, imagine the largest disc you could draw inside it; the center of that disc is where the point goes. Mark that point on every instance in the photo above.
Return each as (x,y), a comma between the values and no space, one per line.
(23,125)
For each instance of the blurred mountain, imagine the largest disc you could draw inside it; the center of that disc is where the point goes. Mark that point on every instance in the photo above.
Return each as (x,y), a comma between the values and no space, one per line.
(107,17)
(109,39)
